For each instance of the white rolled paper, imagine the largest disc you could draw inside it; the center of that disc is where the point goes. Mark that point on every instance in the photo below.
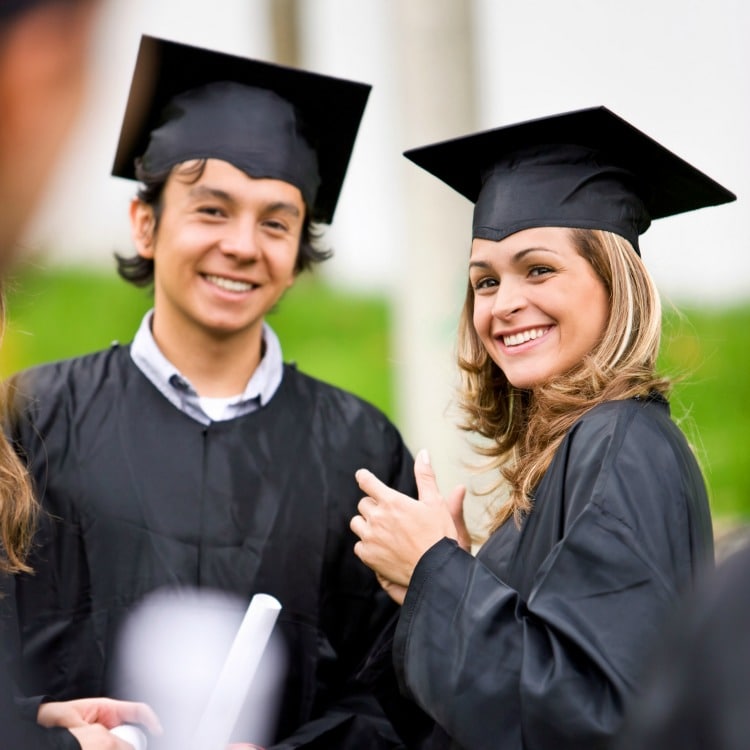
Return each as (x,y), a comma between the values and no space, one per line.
(237,674)
(132,735)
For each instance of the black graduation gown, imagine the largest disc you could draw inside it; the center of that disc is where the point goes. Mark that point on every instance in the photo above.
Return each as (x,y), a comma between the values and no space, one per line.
(21,732)
(538,641)
(140,496)
(697,696)
(18,727)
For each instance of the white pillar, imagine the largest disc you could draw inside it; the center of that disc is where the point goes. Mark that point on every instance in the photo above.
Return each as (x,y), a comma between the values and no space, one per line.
(434,49)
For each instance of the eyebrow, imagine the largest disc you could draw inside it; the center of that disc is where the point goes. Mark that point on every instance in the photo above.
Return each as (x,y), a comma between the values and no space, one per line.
(206,191)
(517,257)
(289,208)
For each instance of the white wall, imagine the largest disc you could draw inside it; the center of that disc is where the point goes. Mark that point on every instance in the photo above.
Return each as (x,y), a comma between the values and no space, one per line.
(677,69)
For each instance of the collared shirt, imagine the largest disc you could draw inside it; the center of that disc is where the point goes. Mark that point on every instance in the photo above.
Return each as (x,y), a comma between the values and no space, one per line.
(177,389)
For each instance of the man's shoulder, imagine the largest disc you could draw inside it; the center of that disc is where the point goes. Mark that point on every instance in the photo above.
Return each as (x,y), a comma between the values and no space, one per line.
(74,372)
(327,394)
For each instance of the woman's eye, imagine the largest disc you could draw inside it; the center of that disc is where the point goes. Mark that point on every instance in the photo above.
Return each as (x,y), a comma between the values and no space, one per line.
(484,284)
(537,271)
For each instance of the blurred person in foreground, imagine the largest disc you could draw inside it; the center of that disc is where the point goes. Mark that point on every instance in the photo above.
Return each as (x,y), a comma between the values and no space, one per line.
(43,55)
(195,457)
(539,640)
(697,691)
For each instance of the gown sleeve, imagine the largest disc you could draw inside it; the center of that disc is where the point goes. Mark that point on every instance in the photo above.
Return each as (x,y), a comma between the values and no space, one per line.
(18,727)
(552,668)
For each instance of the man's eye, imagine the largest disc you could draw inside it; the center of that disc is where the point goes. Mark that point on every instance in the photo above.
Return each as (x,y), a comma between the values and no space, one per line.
(276,226)
(211,210)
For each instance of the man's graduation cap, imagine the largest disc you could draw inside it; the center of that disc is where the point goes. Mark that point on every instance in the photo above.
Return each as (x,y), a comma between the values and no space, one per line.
(268,120)
(586,169)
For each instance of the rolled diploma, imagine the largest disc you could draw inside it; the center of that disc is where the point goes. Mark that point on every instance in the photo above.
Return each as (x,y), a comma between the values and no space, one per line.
(131,734)
(228,696)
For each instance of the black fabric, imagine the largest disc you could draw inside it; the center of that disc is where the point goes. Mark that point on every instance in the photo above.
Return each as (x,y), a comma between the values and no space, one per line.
(303,134)
(698,691)
(140,496)
(539,641)
(569,187)
(588,169)
(253,129)
(18,727)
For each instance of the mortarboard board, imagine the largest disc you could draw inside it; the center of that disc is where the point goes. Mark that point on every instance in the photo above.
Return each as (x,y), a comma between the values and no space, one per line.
(269,120)
(584,169)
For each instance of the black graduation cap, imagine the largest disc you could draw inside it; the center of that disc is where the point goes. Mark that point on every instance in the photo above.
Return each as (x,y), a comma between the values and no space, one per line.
(584,169)
(268,120)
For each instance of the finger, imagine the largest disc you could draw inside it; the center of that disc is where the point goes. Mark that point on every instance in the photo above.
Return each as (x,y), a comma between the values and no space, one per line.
(359,550)
(140,713)
(425,476)
(455,503)
(372,486)
(56,714)
(358,525)
(366,506)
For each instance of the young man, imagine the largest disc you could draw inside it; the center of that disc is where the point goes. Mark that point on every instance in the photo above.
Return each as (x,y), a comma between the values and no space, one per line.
(195,457)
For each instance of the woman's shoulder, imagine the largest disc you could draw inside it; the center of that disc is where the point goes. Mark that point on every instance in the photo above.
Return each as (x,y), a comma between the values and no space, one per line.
(635,431)
(629,460)
(632,416)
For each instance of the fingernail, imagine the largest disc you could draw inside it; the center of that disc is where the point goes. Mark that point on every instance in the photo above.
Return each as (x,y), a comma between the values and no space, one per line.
(424,457)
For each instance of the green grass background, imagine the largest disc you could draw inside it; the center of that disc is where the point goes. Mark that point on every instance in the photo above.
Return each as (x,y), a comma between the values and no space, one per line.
(344,339)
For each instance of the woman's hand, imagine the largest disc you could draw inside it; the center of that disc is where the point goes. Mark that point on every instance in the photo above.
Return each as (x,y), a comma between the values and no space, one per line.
(90,719)
(394,590)
(395,531)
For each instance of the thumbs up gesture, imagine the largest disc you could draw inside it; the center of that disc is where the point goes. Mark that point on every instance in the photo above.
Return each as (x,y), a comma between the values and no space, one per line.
(395,531)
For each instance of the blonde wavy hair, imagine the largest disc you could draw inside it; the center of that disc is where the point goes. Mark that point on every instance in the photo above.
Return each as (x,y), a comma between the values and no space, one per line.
(18,506)
(524,428)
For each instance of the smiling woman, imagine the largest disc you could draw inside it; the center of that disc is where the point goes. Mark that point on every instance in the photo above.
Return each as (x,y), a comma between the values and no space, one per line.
(539,306)
(540,641)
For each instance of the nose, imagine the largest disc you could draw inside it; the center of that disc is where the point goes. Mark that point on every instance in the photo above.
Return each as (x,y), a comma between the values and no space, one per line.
(240,241)
(509,299)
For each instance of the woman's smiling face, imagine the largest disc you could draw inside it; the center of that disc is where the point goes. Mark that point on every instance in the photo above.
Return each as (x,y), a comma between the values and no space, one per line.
(539,306)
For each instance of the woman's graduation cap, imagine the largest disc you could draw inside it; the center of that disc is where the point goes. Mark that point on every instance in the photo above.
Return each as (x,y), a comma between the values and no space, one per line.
(587,169)
(268,120)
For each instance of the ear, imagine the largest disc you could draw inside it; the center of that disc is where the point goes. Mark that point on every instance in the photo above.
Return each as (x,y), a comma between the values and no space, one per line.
(142,227)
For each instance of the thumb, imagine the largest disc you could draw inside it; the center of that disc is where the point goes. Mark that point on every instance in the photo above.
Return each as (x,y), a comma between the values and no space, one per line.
(425,476)
(455,502)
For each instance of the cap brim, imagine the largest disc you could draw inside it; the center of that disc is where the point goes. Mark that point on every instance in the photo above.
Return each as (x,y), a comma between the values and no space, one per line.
(671,185)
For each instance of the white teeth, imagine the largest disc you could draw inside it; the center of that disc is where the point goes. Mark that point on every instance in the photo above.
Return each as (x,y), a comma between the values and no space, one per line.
(230,284)
(524,336)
